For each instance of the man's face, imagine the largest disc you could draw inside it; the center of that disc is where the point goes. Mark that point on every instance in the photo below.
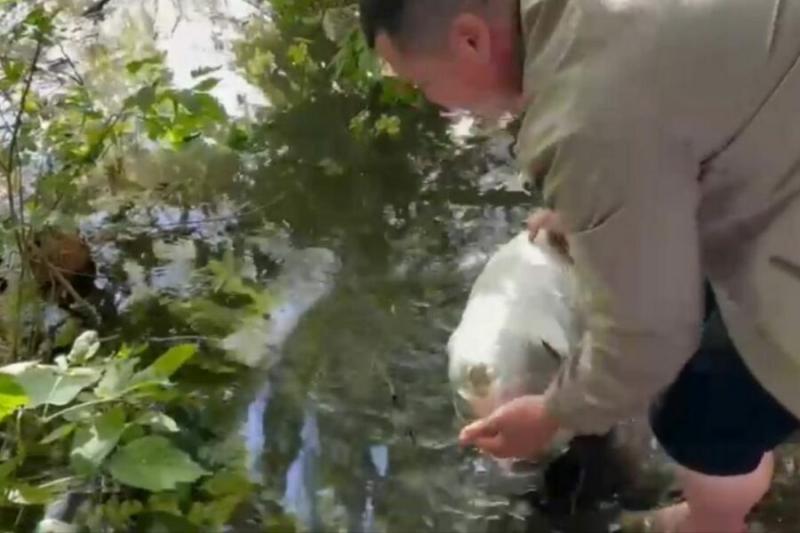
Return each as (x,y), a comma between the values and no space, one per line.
(465,73)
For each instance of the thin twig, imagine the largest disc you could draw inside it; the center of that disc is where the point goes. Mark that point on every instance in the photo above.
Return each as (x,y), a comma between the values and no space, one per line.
(4,94)
(8,99)
(55,272)
(9,169)
(178,17)
(18,217)
(128,392)
(12,147)
(74,68)
(95,9)
(107,128)
(52,483)
(78,407)
(18,304)
(181,338)
(258,6)
(72,292)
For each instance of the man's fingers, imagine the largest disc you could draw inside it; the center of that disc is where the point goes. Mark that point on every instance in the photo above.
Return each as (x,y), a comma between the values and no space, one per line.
(486,436)
(494,445)
(544,219)
(480,429)
(548,220)
(537,221)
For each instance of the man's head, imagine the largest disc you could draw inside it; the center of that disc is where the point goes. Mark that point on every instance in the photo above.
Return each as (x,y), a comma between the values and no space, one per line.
(461,53)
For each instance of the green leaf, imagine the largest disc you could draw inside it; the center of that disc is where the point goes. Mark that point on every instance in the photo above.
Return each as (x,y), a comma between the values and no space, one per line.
(238,139)
(40,20)
(13,71)
(389,125)
(249,345)
(67,333)
(166,502)
(144,99)
(202,71)
(6,468)
(214,514)
(206,85)
(298,54)
(339,22)
(93,444)
(228,482)
(163,522)
(158,421)
(84,348)
(116,515)
(153,463)
(59,433)
(205,315)
(133,431)
(12,396)
(48,384)
(135,66)
(166,365)
(118,376)
(31,105)
(228,280)
(202,107)
(175,137)
(25,494)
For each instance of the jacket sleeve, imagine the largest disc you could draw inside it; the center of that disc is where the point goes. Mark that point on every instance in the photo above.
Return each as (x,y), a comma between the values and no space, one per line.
(628,194)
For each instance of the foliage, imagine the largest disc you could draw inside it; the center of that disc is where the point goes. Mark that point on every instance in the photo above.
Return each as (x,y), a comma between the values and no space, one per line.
(100,394)
(104,415)
(153,463)
(108,421)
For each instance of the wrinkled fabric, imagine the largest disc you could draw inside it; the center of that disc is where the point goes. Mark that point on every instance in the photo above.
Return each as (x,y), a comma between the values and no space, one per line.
(666,133)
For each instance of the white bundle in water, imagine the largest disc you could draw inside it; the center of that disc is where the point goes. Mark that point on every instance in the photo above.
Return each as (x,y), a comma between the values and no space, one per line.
(521,319)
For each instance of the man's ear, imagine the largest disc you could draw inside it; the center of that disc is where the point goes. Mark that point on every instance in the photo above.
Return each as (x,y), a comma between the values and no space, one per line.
(470,38)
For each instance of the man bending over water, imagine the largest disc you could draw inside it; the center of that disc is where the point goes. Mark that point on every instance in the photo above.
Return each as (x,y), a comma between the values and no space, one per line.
(664,134)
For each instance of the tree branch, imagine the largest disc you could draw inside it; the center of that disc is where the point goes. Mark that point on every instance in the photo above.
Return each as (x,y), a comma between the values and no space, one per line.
(56,273)
(76,74)
(95,9)
(19,217)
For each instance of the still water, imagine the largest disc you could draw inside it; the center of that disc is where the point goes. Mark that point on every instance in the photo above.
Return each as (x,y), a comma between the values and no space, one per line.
(369,250)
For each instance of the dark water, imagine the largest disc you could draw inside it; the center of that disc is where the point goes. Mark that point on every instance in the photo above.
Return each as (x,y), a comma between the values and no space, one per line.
(372,246)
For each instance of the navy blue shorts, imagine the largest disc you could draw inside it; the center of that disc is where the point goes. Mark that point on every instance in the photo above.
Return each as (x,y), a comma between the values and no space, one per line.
(716,418)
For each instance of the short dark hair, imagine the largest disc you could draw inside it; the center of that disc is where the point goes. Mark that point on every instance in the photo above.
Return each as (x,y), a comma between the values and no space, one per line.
(381,16)
(397,17)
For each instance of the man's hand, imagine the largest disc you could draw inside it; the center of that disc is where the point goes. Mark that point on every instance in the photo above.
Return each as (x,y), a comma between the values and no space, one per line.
(549,221)
(520,429)
(544,219)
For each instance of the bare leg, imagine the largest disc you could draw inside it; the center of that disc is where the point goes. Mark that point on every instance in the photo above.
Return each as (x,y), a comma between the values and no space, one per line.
(716,504)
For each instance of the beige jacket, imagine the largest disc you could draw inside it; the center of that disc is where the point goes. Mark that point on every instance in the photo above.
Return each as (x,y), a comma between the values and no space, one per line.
(667,135)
